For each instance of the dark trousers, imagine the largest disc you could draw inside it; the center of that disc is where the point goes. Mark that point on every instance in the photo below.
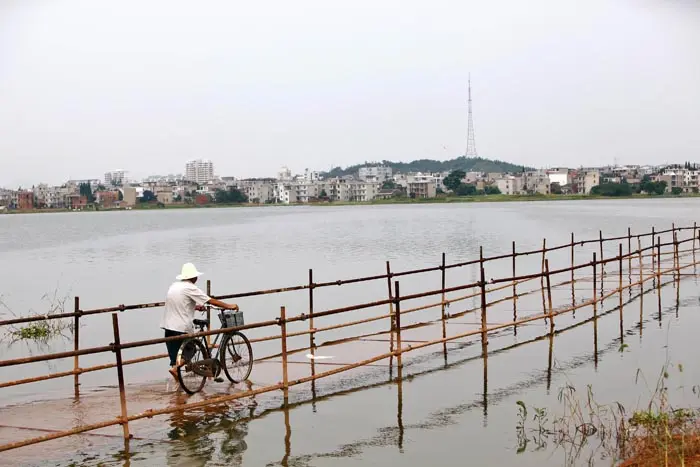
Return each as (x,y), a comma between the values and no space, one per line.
(173,346)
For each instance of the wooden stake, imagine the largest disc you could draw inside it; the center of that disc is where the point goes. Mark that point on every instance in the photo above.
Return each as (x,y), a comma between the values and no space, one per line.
(209,314)
(641,286)
(484,340)
(658,274)
(515,294)
(442,307)
(312,334)
(544,259)
(629,249)
(595,314)
(595,282)
(653,251)
(549,297)
(602,262)
(120,375)
(622,336)
(397,325)
(573,277)
(285,375)
(391,312)
(76,346)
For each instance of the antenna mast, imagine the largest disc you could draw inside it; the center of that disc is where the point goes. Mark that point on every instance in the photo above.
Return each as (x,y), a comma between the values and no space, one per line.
(471,144)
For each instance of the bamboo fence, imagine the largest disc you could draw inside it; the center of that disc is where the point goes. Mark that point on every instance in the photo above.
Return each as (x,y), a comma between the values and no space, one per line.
(396,301)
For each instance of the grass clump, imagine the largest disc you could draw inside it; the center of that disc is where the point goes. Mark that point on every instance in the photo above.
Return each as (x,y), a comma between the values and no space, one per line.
(657,434)
(44,329)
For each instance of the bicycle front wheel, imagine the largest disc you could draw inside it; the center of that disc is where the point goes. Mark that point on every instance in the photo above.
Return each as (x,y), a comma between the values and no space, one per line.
(236,357)
(191,351)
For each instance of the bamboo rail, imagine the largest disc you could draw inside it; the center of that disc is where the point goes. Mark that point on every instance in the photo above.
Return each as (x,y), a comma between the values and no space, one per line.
(395,314)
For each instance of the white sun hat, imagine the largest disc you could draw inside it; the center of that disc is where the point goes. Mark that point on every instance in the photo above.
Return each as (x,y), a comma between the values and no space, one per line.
(188,272)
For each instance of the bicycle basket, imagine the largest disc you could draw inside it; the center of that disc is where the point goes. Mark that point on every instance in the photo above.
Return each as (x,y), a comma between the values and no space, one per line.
(231,319)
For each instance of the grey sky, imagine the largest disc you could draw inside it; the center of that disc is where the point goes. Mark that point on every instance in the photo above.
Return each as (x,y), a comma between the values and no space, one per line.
(88,85)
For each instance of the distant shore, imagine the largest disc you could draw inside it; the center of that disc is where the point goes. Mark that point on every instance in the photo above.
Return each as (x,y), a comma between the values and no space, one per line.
(392,201)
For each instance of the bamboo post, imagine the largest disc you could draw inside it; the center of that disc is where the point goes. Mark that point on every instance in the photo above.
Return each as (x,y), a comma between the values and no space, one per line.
(397,325)
(602,263)
(641,285)
(544,258)
(120,375)
(391,312)
(653,251)
(573,277)
(208,314)
(595,282)
(595,313)
(515,294)
(76,346)
(442,307)
(312,334)
(695,229)
(484,340)
(641,264)
(658,274)
(620,290)
(549,297)
(629,249)
(285,375)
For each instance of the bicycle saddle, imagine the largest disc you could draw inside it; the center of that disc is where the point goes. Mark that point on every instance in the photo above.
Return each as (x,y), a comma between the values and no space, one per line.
(200,322)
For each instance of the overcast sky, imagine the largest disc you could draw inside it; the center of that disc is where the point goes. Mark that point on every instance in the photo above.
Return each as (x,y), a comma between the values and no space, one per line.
(91,85)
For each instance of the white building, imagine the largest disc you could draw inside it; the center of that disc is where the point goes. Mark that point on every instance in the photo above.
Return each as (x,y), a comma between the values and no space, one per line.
(115,178)
(377,173)
(509,185)
(560,176)
(311,176)
(199,171)
(284,175)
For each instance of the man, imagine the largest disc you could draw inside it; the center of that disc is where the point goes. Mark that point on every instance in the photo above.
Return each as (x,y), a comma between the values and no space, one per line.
(183,298)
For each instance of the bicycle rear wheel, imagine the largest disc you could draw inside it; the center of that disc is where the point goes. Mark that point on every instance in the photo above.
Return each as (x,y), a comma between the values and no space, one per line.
(191,351)
(236,357)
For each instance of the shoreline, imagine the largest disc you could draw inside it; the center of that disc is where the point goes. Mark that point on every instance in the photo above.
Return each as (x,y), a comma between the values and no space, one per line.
(395,201)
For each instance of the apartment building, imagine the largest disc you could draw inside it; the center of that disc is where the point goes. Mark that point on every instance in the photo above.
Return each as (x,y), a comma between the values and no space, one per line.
(535,182)
(421,186)
(377,173)
(584,180)
(510,185)
(115,178)
(684,178)
(258,191)
(199,171)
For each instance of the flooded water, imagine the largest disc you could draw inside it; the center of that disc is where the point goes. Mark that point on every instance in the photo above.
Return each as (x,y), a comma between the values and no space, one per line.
(446,410)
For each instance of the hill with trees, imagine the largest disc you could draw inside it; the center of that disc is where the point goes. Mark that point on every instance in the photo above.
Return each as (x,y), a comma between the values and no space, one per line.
(467,164)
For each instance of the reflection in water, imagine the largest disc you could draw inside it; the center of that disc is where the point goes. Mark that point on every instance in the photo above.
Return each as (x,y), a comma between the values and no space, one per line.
(214,432)
(287,436)
(399,413)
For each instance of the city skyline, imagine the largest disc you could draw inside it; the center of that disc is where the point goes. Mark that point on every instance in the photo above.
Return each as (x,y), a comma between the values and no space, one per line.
(553,83)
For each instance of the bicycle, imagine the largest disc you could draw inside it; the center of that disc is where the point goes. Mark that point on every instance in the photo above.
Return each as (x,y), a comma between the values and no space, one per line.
(196,364)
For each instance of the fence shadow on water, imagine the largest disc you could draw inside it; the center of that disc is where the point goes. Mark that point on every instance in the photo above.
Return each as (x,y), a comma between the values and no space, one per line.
(511,291)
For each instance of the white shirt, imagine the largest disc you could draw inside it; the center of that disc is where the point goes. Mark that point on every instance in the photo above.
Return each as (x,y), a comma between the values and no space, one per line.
(182,297)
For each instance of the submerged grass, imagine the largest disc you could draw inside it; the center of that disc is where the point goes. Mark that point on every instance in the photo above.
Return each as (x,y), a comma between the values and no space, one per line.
(43,330)
(656,434)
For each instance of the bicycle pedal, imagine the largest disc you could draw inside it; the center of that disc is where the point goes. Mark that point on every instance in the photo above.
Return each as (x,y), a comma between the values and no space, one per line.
(219,380)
